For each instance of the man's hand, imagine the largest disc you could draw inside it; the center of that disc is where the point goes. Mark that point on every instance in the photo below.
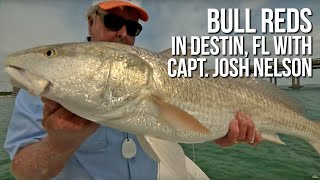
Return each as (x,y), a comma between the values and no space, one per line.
(46,158)
(64,127)
(240,129)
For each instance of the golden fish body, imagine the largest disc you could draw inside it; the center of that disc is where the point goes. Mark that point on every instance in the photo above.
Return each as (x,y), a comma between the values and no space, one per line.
(128,88)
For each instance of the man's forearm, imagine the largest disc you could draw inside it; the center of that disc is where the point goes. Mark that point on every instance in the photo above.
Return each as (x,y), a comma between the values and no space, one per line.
(42,160)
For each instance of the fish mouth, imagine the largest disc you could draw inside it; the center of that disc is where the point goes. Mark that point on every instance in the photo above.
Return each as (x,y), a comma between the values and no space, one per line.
(22,78)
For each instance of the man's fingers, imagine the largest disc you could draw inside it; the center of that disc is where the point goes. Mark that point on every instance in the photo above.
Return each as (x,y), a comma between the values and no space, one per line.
(247,128)
(80,122)
(224,142)
(47,111)
(232,135)
(241,128)
(233,131)
(243,125)
(51,104)
(57,119)
(257,138)
(49,107)
(93,125)
(251,131)
(251,137)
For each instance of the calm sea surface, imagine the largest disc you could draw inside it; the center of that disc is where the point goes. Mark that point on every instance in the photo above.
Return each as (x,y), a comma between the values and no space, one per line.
(297,160)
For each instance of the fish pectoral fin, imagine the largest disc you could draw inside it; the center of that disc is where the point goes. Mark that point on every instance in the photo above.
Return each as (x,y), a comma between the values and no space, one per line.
(166,153)
(176,117)
(148,148)
(195,170)
(272,137)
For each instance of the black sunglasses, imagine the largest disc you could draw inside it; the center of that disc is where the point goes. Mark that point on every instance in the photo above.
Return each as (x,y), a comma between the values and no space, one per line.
(115,23)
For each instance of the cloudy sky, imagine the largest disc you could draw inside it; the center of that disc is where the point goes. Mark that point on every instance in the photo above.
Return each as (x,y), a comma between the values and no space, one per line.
(36,22)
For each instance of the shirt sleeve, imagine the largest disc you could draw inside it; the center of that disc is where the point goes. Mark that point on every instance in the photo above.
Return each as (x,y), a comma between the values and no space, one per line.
(25,126)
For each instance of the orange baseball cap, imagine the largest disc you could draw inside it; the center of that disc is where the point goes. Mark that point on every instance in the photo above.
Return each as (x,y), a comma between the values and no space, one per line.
(110,4)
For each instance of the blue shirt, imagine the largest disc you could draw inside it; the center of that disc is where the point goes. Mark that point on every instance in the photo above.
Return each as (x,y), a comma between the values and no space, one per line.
(99,157)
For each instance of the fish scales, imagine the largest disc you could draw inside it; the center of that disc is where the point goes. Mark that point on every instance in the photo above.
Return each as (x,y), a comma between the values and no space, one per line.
(128,88)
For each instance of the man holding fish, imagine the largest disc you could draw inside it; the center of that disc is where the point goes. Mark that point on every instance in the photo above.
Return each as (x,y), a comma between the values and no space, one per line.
(46,141)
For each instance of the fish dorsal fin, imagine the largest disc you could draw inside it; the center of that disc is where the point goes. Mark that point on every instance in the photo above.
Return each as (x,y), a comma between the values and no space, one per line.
(210,71)
(167,53)
(271,90)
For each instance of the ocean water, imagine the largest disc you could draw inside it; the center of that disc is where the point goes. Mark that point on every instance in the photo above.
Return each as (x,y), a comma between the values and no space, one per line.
(297,160)
(6,106)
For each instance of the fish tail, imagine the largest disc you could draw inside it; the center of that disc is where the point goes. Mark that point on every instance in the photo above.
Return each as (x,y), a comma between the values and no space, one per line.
(316,143)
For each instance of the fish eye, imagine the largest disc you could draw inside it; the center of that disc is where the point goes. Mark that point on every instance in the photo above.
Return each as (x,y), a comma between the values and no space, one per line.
(50,52)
